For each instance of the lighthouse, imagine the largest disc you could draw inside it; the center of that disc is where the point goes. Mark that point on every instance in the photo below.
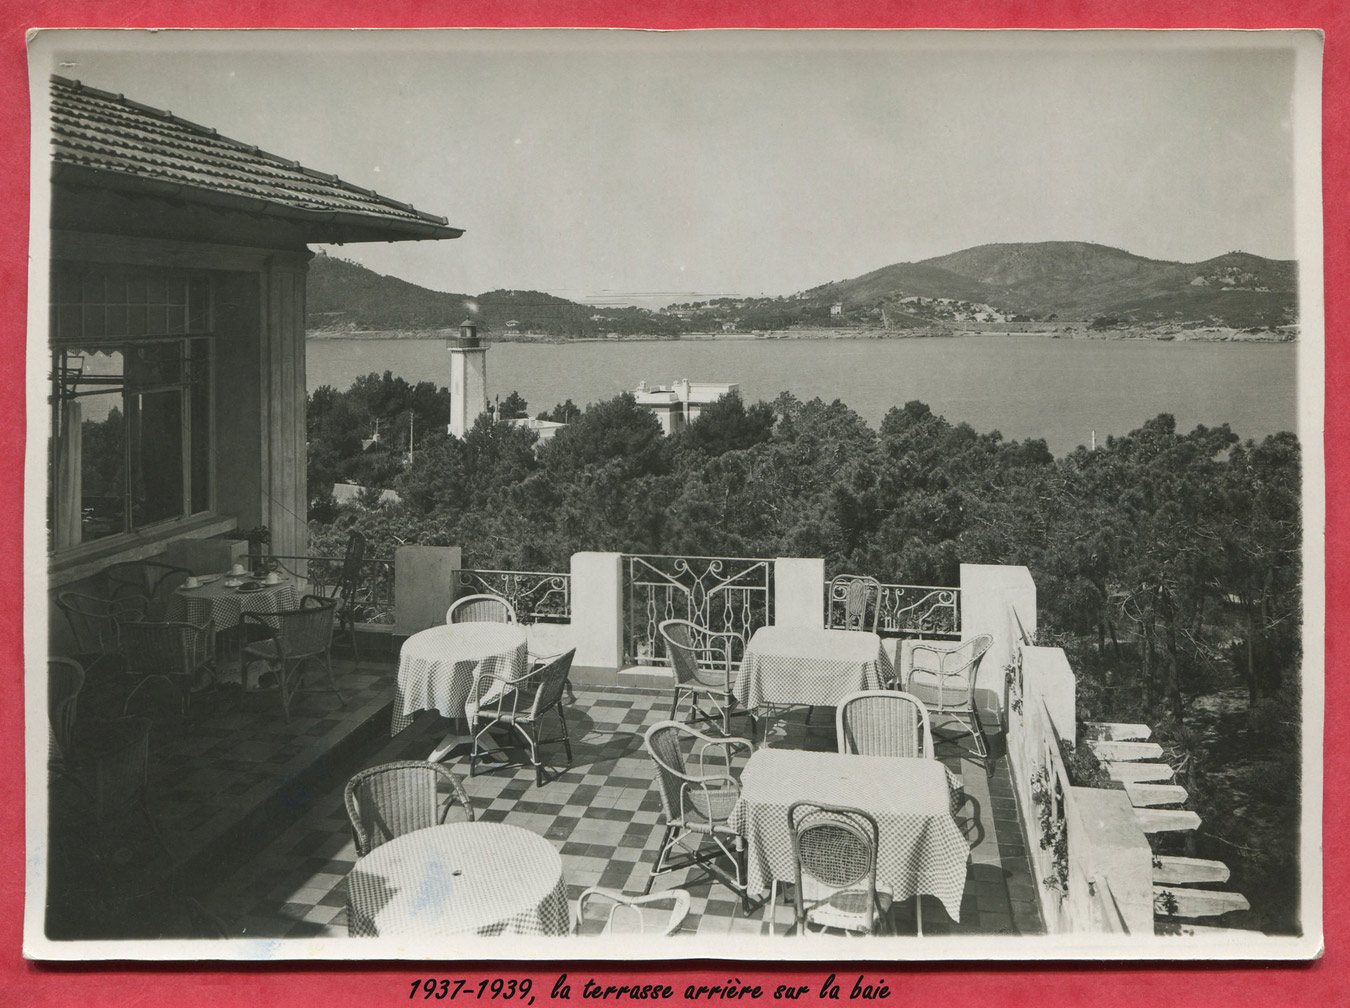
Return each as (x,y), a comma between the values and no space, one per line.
(468,378)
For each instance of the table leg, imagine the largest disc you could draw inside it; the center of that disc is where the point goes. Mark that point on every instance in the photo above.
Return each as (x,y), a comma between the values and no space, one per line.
(452,738)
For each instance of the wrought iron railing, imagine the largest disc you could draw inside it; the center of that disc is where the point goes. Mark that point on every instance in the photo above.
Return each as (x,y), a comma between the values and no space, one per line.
(718,593)
(536,596)
(322,575)
(910,610)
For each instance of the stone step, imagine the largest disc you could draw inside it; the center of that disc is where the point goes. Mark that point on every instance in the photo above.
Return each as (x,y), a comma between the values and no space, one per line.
(1110,731)
(1126,751)
(1143,795)
(1136,773)
(1181,870)
(1199,902)
(1166,820)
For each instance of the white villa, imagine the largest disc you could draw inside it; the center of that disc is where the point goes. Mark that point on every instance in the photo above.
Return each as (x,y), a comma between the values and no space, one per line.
(681,404)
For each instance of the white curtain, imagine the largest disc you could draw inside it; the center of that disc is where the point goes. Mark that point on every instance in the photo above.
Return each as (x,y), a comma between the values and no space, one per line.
(69,483)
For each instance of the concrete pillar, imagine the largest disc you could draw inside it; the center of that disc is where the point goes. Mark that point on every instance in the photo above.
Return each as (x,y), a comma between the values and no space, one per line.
(597,610)
(799,592)
(1116,849)
(990,593)
(1046,674)
(424,586)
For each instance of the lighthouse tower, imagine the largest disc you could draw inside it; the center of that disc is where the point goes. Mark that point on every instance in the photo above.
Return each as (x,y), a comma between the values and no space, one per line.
(468,378)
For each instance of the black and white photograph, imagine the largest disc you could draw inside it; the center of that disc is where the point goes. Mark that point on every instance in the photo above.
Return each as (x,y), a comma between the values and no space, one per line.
(593,494)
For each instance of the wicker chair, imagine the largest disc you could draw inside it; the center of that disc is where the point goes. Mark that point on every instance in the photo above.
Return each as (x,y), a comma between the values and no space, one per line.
(149,579)
(635,915)
(290,638)
(65,679)
(480,609)
(692,649)
(856,592)
(883,723)
(942,677)
(834,850)
(697,804)
(177,654)
(520,703)
(95,623)
(387,801)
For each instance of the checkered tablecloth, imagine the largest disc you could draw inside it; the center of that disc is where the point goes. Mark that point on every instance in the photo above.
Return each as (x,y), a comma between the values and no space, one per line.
(792,665)
(436,667)
(224,606)
(461,878)
(922,848)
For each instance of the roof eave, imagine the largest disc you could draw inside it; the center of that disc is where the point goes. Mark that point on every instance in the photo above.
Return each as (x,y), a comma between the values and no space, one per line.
(337,225)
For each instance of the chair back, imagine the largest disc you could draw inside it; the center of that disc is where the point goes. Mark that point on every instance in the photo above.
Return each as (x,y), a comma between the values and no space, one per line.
(883,723)
(944,675)
(390,800)
(656,913)
(480,609)
(65,679)
(95,622)
(853,594)
(349,578)
(552,679)
(663,745)
(686,643)
(834,848)
(151,579)
(164,648)
(307,630)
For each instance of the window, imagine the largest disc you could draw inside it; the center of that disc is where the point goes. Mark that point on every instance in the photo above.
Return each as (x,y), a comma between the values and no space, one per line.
(131,400)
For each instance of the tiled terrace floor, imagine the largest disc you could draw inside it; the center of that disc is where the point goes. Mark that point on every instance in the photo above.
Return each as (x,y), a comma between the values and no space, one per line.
(603,814)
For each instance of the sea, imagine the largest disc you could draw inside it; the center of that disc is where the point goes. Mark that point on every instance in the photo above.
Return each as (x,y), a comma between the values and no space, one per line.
(1066,391)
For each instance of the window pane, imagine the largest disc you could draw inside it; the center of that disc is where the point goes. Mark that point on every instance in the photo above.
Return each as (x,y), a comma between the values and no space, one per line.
(156,432)
(102,465)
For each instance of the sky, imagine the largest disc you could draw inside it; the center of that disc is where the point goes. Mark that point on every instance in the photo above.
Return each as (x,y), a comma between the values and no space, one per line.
(642,167)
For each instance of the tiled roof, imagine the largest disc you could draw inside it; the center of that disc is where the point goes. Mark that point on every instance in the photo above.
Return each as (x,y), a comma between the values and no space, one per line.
(134,147)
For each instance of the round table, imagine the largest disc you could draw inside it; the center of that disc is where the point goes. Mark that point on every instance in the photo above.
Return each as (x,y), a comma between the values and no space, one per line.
(224,606)
(460,878)
(438,666)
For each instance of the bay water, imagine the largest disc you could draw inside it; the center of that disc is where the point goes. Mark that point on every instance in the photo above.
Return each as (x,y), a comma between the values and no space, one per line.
(1025,386)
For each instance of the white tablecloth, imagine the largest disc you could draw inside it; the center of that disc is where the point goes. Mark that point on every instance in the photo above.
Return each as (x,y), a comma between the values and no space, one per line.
(922,849)
(459,878)
(793,665)
(436,668)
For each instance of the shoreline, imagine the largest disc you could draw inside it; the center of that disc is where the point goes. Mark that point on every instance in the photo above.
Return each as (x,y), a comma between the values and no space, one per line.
(1161,334)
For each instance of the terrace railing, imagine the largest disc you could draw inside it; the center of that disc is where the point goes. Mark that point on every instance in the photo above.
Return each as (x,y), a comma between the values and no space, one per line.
(905,610)
(322,575)
(717,593)
(536,596)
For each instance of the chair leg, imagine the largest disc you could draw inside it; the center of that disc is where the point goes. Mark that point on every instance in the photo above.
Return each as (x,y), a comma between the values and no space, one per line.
(675,707)
(659,864)
(356,653)
(567,742)
(332,679)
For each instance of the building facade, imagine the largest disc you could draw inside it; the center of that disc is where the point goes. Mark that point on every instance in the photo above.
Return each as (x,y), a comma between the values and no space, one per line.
(683,402)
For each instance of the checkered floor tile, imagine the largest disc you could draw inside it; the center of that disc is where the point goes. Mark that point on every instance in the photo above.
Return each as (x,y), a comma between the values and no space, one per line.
(604,815)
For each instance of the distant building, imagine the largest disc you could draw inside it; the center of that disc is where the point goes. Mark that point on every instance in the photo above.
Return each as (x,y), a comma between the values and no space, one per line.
(468,378)
(836,310)
(544,428)
(681,404)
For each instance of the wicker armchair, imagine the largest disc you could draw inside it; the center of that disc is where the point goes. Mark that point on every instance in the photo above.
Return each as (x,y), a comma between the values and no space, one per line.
(692,651)
(480,609)
(149,579)
(834,849)
(65,679)
(942,677)
(176,654)
(387,801)
(697,796)
(855,593)
(883,723)
(95,623)
(520,703)
(290,639)
(633,915)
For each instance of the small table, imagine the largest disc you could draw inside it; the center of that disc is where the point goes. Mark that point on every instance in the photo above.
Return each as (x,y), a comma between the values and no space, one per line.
(459,878)
(438,666)
(793,666)
(921,849)
(224,605)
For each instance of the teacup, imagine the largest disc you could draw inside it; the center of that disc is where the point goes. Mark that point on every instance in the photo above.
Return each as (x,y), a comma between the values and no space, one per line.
(191,582)
(272,578)
(238,570)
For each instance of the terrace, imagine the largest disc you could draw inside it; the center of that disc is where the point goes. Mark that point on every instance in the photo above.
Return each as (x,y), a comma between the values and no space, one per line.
(249,836)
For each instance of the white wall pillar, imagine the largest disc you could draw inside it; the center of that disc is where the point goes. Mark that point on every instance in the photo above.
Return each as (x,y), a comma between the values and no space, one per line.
(1117,850)
(424,586)
(597,610)
(799,592)
(989,594)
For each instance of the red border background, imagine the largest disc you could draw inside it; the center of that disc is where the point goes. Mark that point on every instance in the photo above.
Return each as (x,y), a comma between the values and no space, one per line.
(21,982)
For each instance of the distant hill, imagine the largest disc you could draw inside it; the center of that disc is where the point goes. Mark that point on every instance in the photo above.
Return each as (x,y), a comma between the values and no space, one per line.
(342,295)
(1080,281)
